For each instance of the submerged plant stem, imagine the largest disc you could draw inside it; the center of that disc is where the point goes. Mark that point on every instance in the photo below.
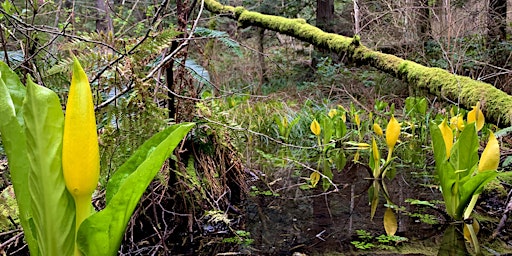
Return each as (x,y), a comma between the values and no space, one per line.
(474,238)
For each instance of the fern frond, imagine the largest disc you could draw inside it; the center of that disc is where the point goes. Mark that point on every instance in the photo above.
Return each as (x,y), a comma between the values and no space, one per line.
(222,36)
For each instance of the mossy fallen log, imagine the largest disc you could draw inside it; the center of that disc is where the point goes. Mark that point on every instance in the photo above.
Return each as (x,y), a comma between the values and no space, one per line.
(497,105)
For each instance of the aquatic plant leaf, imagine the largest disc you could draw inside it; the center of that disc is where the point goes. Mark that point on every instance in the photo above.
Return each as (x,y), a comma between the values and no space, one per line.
(52,206)
(340,160)
(390,223)
(328,127)
(102,232)
(445,171)
(15,89)
(14,143)
(315,127)
(472,185)
(314,178)
(490,158)
(327,172)
(465,151)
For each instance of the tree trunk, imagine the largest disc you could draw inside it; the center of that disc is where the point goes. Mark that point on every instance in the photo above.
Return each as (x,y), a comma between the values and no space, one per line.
(497,20)
(424,28)
(325,15)
(357,18)
(103,19)
(497,105)
(324,21)
(261,59)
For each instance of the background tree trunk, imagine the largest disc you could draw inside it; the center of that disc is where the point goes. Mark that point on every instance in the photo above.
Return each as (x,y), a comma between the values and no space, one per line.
(324,21)
(325,15)
(497,20)
(103,19)
(357,18)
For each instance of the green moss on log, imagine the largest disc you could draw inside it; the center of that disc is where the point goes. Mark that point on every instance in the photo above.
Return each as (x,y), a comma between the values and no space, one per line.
(497,105)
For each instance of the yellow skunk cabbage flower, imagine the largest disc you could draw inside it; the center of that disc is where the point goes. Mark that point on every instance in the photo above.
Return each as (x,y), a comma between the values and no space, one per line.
(447,133)
(343,113)
(314,178)
(375,151)
(392,132)
(332,113)
(377,129)
(315,127)
(490,158)
(284,122)
(80,150)
(457,122)
(357,120)
(477,116)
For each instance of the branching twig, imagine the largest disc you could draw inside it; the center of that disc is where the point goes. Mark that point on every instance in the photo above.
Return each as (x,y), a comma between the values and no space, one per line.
(10,240)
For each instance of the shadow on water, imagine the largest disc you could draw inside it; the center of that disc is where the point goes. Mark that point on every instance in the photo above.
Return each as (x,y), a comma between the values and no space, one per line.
(315,222)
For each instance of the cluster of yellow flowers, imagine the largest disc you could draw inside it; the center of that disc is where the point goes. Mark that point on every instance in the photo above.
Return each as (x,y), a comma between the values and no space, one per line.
(490,157)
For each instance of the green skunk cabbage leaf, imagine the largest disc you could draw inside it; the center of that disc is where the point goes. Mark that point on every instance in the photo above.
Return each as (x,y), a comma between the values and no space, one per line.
(14,142)
(465,150)
(52,205)
(102,232)
(444,170)
(473,186)
(15,88)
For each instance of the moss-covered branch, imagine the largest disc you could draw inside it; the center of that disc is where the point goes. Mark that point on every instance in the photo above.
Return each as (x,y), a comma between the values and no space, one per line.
(496,103)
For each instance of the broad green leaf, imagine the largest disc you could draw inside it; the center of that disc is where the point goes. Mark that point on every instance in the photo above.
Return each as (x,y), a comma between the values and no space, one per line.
(327,125)
(473,186)
(137,158)
(444,170)
(340,160)
(340,127)
(14,142)
(52,205)
(15,87)
(326,183)
(102,232)
(465,150)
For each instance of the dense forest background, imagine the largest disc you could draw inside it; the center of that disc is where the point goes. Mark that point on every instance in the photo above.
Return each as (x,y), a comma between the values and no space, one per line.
(253,93)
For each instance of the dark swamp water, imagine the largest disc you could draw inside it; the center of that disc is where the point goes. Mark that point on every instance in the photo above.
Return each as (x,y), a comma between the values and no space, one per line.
(311,222)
